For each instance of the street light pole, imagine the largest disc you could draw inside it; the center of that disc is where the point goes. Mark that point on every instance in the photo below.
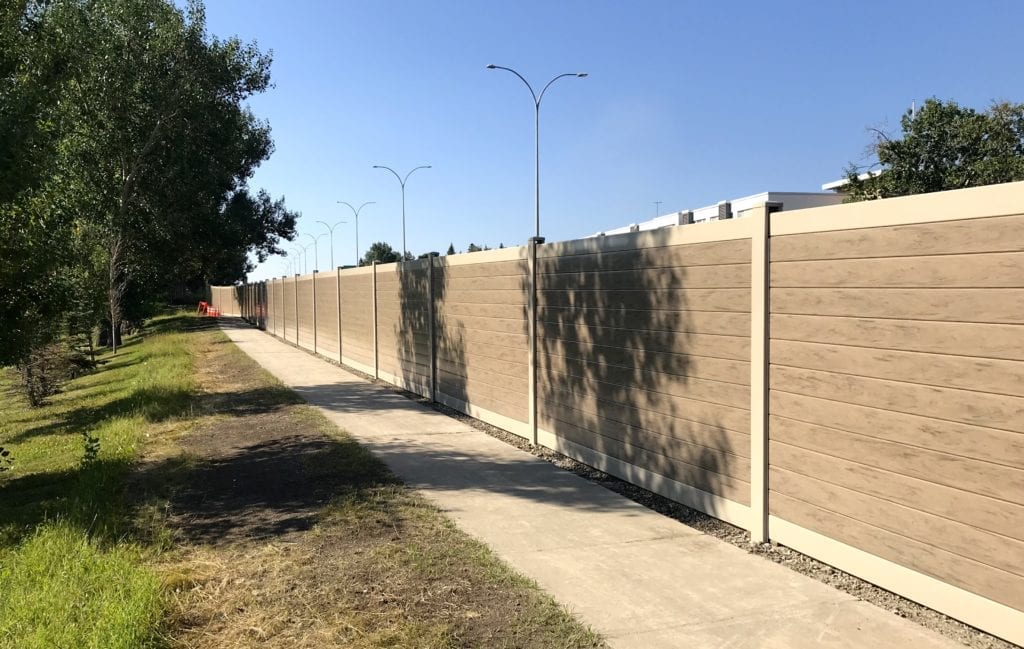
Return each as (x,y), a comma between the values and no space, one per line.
(401,181)
(316,254)
(330,228)
(299,253)
(305,249)
(536,131)
(356,213)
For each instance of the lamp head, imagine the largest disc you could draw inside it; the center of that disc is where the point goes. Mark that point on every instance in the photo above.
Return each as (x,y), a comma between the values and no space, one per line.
(491,66)
(582,75)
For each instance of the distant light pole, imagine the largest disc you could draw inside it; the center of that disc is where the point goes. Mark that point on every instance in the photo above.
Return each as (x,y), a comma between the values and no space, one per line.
(536,103)
(316,255)
(299,252)
(330,228)
(657,207)
(356,213)
(305,257)
(401,181)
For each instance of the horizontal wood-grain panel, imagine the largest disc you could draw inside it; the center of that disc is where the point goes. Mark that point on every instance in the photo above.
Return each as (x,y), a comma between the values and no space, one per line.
(986,478)
(612,378)
(1001,233)
(647,342)
(500,325)
(999,446)
(457,350)
(714,438)
(479,281)
(980,511)
(960,338)
(469,366)
(994,270)
(991,549)
(722,299)
(996,305)
(701,322)
(696,254)
(979,374)
(719,458)
(995,584)
(387,339)
(703,478)
(483,396)
(726,276)
(644,411)
(448,310)
(487,269)
(486,371)
(482,296)
(514,341)
(701,367)
(976,408)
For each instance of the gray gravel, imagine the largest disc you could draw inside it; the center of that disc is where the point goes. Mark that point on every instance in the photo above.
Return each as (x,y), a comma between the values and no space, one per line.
(926,617)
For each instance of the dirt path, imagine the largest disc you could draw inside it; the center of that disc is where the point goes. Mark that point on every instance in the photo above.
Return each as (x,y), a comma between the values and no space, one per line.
(286,533)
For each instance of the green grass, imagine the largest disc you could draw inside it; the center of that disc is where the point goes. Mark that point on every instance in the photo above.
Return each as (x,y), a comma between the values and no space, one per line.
(61,589)
(72,574)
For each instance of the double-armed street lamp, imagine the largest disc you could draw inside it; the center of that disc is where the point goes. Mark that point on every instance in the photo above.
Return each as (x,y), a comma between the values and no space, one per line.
(536,104)
(316,254)
(401,181)
(305,257)
(330,228)
(299,258)
(356,213)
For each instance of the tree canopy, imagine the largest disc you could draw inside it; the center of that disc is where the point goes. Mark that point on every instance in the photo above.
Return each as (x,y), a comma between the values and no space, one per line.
(944,146)
(126,148)
(380,252)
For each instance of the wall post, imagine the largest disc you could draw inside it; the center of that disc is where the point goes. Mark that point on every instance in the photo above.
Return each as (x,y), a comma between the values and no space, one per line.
(376,359)
(337,288)
(432,326)
(531,326)
(314,310)
(759,285)
(295,299)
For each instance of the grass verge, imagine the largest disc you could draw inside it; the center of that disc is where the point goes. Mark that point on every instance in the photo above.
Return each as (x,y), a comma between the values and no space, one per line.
(71,573)
(222,512)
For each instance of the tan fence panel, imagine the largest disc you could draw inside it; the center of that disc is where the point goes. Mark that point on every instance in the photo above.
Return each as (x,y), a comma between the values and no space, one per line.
(357,318)
(482,345)
(403,325)
(273,307)
(290,316)
(644,357)
(304,292)
(897,394)
(225,298)
(327,315)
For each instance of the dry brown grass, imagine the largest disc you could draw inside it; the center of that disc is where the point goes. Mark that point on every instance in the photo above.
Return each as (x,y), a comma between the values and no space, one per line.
(317,545)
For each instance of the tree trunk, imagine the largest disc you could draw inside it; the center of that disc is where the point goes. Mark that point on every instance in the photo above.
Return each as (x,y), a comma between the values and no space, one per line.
(118,281)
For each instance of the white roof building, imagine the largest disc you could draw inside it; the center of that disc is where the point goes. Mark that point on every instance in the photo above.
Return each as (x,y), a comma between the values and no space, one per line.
(736,208)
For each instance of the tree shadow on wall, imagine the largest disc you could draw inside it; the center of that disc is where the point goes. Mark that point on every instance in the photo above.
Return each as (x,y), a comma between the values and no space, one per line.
(412,330)
(642,356)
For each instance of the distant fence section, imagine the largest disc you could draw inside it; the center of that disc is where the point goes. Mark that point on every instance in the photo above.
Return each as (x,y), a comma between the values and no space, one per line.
(847,381)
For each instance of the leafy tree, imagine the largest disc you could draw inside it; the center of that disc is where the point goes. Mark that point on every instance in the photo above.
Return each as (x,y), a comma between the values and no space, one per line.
(125,151)
(451,249)
(944,146)
(380,252)
(473,248)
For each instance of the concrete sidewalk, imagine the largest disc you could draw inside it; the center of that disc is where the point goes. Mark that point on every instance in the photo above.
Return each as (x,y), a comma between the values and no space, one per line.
(637,577)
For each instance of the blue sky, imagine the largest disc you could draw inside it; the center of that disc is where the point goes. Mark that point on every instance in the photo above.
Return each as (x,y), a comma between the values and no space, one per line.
(687,103)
